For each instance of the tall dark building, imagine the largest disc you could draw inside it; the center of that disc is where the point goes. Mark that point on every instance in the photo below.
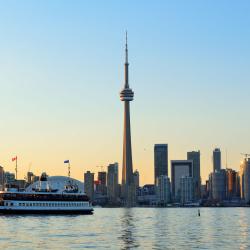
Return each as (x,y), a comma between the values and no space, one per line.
(195,157)
(217,159)
(161,160)
(246,182)
(232,184)
(1,178)
(89,184)
(112,182)
(218,185)
(102,183)
(136,179)
(127,95)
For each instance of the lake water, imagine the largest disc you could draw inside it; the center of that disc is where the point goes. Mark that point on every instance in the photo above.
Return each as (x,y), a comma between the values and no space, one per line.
(121,228)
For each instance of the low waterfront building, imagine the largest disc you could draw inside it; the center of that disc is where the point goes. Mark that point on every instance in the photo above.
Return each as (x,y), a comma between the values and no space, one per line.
(9,178)
(146,195)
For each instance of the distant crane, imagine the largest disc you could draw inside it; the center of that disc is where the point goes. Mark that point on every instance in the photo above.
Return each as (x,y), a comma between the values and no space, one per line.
(246,155)
(101,167)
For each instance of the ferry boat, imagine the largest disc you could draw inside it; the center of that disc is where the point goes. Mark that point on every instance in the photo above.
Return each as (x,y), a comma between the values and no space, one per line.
(43,199)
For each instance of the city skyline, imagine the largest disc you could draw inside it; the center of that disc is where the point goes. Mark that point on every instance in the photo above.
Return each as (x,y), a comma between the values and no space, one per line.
(59,96)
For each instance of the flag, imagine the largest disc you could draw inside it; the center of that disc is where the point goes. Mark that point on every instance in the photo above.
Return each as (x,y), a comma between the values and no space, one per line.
(14,158)
(66,161)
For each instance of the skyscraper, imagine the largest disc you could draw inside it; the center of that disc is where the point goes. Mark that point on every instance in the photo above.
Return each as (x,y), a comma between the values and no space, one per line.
(163,189)
(247,180)
(241,179)
(89,184)
(136,178)
(195,157)
(112,182)
(102,185)
(218,185)
(217,159)
(161,160)
(127,95)
(232,184)
(186,189)
(1,178)
(179,168)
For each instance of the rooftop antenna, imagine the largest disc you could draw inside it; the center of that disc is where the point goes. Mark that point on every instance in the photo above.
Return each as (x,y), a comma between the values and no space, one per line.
(226,158)
(101,167)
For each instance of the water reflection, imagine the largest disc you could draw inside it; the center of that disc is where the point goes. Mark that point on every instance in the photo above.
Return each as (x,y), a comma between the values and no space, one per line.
(128,229)
(244,229)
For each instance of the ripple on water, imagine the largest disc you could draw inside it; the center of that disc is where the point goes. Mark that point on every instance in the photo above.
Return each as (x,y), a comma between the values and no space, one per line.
(120,228)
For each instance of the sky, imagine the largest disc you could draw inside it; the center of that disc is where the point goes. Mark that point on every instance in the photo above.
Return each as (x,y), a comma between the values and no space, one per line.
(61,71)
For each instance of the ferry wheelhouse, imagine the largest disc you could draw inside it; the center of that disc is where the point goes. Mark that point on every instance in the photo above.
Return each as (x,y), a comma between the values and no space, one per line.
(44,199)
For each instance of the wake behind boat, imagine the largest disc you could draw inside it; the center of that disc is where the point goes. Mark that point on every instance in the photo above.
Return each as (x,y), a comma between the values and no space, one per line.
(44,199)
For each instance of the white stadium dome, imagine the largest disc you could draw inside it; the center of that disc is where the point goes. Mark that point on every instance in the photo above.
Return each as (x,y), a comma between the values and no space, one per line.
(58,182)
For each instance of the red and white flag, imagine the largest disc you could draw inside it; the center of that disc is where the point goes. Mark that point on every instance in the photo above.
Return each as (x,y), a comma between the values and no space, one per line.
(14,158)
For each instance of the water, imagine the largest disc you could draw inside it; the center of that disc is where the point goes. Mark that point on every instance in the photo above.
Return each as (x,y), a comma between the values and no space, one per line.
(120,228)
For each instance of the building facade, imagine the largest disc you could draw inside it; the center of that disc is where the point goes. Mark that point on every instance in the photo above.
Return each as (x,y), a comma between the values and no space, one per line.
(247,180)
(160,160)
(112,183)
(163,190)
(241,179)
(179,168)
(102,183)
(136,179)
(217,159)
(218,185)
(186,189)
(89,184)
(9,178)
(1,178)
(232,184)
(195,157)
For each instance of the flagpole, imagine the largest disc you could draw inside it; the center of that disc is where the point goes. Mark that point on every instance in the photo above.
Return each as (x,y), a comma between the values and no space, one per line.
(16,167)
(69,169)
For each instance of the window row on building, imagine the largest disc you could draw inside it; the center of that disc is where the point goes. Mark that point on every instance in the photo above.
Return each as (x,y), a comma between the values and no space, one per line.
(61,204)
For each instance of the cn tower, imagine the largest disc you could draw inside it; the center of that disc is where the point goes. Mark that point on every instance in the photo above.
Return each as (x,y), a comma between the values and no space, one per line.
(127,95)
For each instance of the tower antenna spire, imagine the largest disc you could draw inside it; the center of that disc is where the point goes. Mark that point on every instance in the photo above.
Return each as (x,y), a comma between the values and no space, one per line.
(126,62)
(126,48)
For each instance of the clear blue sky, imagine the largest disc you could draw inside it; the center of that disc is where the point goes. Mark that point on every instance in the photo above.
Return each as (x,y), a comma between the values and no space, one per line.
(61,70)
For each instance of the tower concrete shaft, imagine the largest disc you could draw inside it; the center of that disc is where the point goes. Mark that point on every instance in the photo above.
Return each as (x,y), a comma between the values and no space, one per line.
(126,95)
